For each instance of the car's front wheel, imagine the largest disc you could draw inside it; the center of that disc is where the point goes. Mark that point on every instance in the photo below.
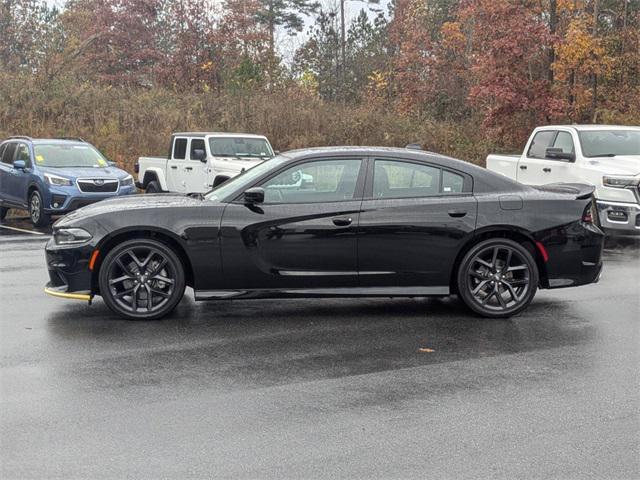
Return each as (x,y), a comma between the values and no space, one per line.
(153,187)
(142,279)
(497,278)
(36,210)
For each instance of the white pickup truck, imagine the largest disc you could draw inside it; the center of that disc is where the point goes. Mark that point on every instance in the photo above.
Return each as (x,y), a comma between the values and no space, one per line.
(605,156)
(198,161)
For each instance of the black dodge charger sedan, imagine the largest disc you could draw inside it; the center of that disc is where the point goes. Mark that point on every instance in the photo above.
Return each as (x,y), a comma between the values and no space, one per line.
(331,222)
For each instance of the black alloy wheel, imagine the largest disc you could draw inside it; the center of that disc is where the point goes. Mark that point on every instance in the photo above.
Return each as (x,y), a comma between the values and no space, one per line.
(142,279)
(36,210)
(497,278)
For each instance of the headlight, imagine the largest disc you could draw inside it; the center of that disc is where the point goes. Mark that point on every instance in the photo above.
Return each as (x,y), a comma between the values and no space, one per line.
(620,181)
(56,180)
(126,181)
(71,236)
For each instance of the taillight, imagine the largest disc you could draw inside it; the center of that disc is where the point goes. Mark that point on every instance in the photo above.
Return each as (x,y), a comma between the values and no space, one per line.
(136,168)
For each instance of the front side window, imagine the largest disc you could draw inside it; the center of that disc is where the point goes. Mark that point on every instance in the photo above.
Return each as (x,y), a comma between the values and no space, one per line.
(394,179)
(22,153)
(196,144)
(68,155)
(314,182)
(180,149)
(541,141)
(564,142)
(609,143)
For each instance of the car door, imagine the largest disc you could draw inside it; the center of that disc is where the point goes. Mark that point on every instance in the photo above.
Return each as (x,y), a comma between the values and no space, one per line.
(303,235)
(19,177)
(537,169)
(8,176)
(196,170)
(415,217)
(176,174)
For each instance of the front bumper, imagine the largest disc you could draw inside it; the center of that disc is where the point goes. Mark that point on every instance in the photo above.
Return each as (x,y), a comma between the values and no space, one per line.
(69,273)
(618,218)
(61,200)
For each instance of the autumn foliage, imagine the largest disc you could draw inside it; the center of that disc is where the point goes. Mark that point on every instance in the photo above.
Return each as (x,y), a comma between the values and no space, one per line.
(459,76)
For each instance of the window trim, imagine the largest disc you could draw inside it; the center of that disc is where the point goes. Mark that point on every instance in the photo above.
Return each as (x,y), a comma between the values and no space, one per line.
(467,186)
(8,145)
(357,194)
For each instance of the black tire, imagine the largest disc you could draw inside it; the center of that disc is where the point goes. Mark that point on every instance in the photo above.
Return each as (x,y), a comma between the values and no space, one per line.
(138,270)
(497,278)
(153,187)
(36,210)
(3,213)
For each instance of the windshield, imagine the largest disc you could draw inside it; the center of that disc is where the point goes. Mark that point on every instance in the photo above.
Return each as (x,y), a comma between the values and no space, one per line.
(61,155)
(609,143)
(245,179)
(239,147)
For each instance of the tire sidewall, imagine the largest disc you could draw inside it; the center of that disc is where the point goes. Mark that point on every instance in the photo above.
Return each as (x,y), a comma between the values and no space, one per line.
(462,278)
(152,187)
(43,218)
(176,264)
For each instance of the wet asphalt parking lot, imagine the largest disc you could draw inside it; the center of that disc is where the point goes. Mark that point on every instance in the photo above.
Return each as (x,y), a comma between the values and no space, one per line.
(382,388)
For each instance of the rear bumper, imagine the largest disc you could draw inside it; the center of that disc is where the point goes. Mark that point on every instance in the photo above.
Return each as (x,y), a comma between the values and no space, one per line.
(618,218)
(575,255)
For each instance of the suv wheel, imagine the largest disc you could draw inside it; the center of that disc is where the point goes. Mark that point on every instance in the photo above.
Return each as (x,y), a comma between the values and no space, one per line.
(36,210)
(142,279)
(497,278)
(153,187)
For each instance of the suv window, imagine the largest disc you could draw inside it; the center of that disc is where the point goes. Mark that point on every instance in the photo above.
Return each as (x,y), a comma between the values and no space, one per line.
(564,141)
(22,153)
(541,141)
(314,182)
(180,148)
(196,144)
(7,156)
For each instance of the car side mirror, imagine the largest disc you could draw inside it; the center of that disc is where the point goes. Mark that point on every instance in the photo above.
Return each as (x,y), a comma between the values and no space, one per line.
(111,164)
(276,152)
(199,154)
(254,195)
(558,154)
(19,165)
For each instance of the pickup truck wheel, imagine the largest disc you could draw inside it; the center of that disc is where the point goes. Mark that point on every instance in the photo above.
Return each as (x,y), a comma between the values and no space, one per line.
(141,279)
(153,187)
(3,213)
(497,278)
(36,210)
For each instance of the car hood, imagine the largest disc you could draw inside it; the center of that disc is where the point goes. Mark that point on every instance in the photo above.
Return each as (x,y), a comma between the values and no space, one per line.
(82,172)
(619,165)
(130,203)
(236,164)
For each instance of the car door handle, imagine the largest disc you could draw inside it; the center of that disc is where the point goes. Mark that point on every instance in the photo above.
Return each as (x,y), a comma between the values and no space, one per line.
(523,167)
(342,221)
(174,167)
(188,168)
(457,213)
(546,169)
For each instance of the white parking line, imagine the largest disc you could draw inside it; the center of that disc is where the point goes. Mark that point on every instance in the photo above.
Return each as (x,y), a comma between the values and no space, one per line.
(22,230)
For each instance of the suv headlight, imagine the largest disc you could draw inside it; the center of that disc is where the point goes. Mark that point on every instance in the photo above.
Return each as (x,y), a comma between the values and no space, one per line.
(71,236)
(58,181)
(620,181)
(126,181)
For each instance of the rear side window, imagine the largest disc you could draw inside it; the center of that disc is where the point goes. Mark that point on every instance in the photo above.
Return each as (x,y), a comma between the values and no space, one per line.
(180,149)
(541,141)
(452,182)
(196,144)
(7,155)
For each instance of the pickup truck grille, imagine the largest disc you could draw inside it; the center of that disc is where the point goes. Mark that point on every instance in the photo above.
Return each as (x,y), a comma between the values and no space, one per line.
(98,185)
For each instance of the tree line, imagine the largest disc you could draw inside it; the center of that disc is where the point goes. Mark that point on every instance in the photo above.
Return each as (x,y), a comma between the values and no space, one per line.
(460,76)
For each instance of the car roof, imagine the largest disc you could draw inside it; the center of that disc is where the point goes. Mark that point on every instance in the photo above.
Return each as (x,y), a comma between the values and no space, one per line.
(590,127)
(47,141)
(216,134)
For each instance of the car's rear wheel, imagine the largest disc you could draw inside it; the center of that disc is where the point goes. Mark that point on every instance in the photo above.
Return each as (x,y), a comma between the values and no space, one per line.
(153,187)
(497,278)
(142,279)
(36,210)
